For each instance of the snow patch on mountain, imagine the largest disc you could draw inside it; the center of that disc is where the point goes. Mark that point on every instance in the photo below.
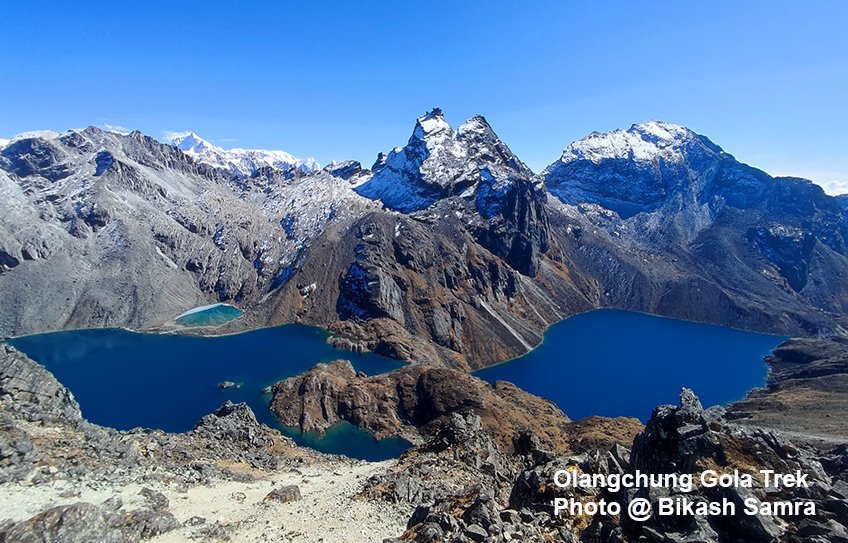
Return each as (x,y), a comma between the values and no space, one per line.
(41,134)
(242,162)
(645,142)
(4,142)
(117,129)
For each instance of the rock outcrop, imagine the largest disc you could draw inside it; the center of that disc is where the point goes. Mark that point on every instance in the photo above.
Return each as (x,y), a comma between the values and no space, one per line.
(517,504)
(235,423)
(33,392)
(806,392)
(84,522)
(413,400)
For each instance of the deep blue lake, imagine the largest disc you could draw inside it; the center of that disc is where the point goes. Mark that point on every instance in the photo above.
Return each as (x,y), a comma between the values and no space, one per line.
(618,363)
(126,380)
(605,362)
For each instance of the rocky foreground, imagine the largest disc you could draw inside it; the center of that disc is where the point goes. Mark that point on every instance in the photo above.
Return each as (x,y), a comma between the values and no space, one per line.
(64,479)
(481,469)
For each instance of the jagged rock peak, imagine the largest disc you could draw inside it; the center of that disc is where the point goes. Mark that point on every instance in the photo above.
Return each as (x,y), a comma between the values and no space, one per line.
(476,124)
(437,136)
(432,122)
(439,162)
(484,146)
(643,142)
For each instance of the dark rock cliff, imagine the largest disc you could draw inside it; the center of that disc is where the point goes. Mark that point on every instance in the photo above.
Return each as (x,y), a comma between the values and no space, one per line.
(32,391)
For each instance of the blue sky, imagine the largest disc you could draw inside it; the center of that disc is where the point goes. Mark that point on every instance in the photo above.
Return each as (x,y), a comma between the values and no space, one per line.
(768,81)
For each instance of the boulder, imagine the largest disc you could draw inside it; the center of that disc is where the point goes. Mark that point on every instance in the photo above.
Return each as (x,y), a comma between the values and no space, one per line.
(155,500)
(284,494)
(234,422)
(75,523)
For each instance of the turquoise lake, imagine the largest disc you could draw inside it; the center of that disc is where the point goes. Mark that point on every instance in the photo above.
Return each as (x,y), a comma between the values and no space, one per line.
(210,315)
(618,363)
(126,380)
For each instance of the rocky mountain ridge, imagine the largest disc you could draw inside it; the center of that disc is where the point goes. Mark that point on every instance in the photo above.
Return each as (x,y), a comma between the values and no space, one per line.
(450,250)
(140,231)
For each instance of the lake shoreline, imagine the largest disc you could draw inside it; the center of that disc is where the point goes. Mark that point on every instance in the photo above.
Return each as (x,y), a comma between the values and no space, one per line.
(112,372)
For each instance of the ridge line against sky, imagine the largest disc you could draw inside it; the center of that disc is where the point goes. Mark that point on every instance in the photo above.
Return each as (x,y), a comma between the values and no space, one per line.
(346,80)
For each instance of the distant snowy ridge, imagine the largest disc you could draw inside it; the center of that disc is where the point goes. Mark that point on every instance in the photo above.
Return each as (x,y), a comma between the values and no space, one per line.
(239,161)
(4,142)
(43,134)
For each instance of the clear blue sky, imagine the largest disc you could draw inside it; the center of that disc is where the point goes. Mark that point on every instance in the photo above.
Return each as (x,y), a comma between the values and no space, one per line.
(766,80)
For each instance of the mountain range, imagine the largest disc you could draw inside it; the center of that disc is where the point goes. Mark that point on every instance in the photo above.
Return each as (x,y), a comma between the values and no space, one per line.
(244,162)
(448,250)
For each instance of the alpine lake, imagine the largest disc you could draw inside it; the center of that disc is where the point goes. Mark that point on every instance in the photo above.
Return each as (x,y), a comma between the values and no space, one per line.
(605,362)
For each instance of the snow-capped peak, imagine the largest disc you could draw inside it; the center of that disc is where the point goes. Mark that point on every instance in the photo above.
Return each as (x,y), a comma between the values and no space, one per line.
(436,134)
(412,177)
(438,162)
(432,122)
(239,161)
(4,142)
(191,142)
(643,142)
(475,125)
